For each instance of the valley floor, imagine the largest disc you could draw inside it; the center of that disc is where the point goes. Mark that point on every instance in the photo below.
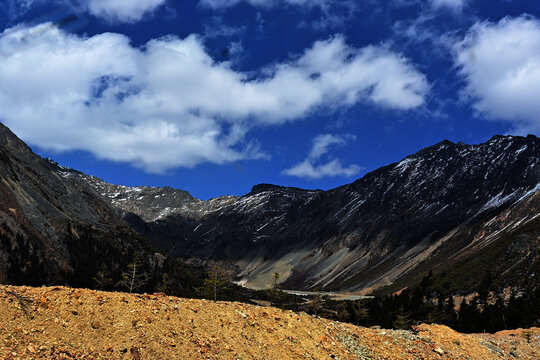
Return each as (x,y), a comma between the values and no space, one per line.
(66,323)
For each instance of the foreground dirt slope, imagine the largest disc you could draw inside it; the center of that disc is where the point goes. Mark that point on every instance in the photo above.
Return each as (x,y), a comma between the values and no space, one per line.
(65,323)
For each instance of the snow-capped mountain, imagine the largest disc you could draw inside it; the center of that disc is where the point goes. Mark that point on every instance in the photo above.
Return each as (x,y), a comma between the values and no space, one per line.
(438,209)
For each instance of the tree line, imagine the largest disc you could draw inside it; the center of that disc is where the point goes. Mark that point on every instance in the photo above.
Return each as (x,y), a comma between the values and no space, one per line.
(99,265)
(483,311)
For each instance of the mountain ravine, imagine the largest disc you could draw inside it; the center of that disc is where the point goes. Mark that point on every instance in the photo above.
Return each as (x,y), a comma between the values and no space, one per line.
(440,210)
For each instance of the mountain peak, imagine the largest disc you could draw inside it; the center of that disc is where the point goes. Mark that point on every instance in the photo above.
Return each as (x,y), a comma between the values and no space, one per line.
(444,142)
(496,138)
(447,193)
(259,188)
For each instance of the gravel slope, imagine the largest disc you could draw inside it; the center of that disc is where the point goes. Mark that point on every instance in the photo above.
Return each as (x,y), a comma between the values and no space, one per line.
(66,323)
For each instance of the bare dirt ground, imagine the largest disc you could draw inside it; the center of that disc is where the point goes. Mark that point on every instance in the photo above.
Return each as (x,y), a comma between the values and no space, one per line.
(65,323)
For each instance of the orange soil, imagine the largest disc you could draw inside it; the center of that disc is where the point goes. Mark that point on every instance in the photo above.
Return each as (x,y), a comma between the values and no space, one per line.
(65,323)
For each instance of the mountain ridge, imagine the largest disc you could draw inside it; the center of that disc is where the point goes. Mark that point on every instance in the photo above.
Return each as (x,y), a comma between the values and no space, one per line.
(317,238)
(257,188)
(445,203)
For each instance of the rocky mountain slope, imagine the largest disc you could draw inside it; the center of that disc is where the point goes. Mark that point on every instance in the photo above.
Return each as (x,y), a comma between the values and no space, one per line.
(56,230)
(446,204)
(66,323)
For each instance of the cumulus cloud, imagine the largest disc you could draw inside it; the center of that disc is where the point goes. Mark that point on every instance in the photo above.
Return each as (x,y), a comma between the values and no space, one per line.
(312,168)
(169,104)
(122,10)
(501,65)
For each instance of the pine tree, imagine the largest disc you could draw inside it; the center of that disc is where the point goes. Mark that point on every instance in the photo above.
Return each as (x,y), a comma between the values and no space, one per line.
(103,279)
(403,320)
(316,304)
(343,313)
(360,313)
(275,288)
(166,284)
(214,284)
(134,278)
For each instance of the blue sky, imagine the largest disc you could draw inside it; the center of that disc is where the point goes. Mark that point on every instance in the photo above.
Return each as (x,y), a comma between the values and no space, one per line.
(214,96)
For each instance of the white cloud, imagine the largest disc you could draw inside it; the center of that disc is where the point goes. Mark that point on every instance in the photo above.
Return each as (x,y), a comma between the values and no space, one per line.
(122,10)
(111,10)
(312,169)
(333,168)
(501,65)
(170,104)
(452,4)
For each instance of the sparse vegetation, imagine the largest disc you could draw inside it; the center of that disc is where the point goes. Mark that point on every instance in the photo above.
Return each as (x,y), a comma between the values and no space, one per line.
(274,289)
(134,278)
(154,326)
(103,279)
(482,312)
(215,285)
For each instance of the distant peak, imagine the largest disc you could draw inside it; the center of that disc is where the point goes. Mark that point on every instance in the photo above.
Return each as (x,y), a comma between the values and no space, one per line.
(259,188)
(441,144)
(494,140)
(512,137)
(445,142)
(500,137)
(433,148)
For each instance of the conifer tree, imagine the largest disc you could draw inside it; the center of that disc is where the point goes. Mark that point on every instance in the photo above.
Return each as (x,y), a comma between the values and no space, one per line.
(103,278)
(166,284)
(317,303)
(275,288)
(360,313)
(403,320)
(134,278)
(214,284)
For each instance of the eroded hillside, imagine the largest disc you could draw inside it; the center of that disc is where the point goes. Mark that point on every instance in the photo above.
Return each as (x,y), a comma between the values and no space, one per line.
(55,230)
(65,323)
(390,228)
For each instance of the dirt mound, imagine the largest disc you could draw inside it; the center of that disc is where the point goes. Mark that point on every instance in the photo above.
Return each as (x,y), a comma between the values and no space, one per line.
(65,323)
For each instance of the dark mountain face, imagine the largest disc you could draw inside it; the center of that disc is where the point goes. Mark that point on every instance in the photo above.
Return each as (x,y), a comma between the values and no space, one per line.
(55,230)
(460,211)
(431,211)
